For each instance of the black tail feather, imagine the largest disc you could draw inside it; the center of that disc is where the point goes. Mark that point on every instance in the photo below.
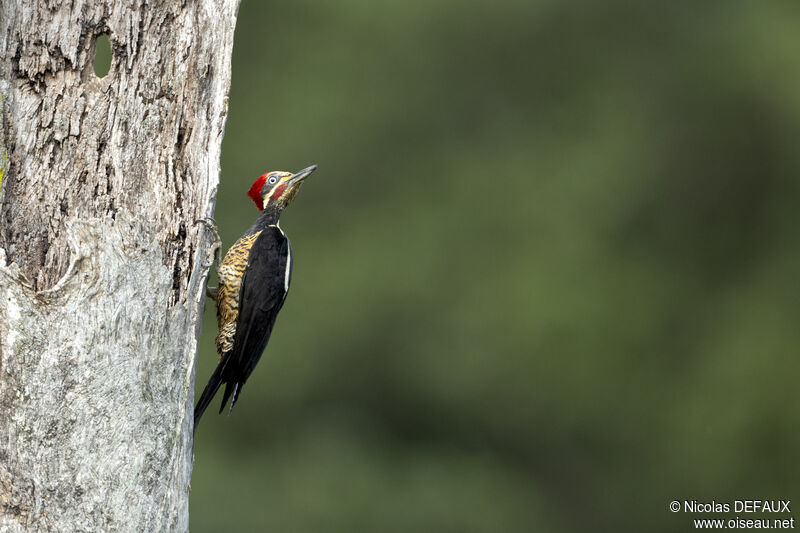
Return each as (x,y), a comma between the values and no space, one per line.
(226,395)
(234,388)
(211,389)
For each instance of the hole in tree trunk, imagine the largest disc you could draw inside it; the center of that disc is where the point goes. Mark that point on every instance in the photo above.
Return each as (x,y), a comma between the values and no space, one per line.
(102,55)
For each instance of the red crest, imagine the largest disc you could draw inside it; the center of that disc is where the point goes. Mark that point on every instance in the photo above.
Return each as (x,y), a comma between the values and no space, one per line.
(255,191)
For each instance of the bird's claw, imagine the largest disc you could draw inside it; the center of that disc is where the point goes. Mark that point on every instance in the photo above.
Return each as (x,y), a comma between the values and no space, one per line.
(212,292)
(216,246)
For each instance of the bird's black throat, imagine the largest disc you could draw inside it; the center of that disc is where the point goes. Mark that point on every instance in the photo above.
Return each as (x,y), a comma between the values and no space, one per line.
(268,217)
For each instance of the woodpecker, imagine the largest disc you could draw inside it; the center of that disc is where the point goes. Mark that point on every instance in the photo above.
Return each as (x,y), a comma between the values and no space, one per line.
(254,279)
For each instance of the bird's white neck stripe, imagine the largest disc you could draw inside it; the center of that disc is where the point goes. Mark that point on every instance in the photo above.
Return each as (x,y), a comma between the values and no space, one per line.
(288,262)
(278,225)
(288,269)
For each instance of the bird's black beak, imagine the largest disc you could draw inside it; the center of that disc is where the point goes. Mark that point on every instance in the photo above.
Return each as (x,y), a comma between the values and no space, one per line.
(301,175)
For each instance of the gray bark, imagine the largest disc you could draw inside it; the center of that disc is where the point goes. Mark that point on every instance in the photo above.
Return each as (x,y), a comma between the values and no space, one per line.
(102,266)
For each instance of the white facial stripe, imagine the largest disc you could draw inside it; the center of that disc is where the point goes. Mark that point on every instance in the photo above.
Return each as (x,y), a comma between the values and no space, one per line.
(278,183)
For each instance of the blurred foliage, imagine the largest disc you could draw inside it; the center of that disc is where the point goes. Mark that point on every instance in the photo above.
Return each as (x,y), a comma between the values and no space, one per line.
(545,276)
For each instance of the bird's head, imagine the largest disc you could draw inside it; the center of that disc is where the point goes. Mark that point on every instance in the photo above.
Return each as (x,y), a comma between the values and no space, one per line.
(273,191)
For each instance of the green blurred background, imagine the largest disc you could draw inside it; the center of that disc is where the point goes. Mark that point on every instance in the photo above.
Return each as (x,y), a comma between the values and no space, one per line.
(546,276)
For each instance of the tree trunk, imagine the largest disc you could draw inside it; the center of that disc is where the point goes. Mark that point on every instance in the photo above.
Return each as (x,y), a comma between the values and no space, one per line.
(102,266)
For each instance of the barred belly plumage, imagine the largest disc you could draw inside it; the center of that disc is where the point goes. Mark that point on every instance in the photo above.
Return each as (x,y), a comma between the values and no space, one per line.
(230,274)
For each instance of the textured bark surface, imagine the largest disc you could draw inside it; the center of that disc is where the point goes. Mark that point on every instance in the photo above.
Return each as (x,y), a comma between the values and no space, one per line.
(102,267)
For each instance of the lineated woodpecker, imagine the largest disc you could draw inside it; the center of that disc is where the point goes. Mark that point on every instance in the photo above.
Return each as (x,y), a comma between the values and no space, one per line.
(254,279)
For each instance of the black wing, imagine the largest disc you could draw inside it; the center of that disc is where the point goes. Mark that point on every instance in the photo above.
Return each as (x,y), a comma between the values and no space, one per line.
(264,287)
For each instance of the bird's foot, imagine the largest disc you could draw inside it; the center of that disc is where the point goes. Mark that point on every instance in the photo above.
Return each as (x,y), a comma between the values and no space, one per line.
(212,292)
(214,254)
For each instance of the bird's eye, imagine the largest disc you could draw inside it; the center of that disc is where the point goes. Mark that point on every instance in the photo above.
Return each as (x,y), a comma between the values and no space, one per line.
(272,180)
